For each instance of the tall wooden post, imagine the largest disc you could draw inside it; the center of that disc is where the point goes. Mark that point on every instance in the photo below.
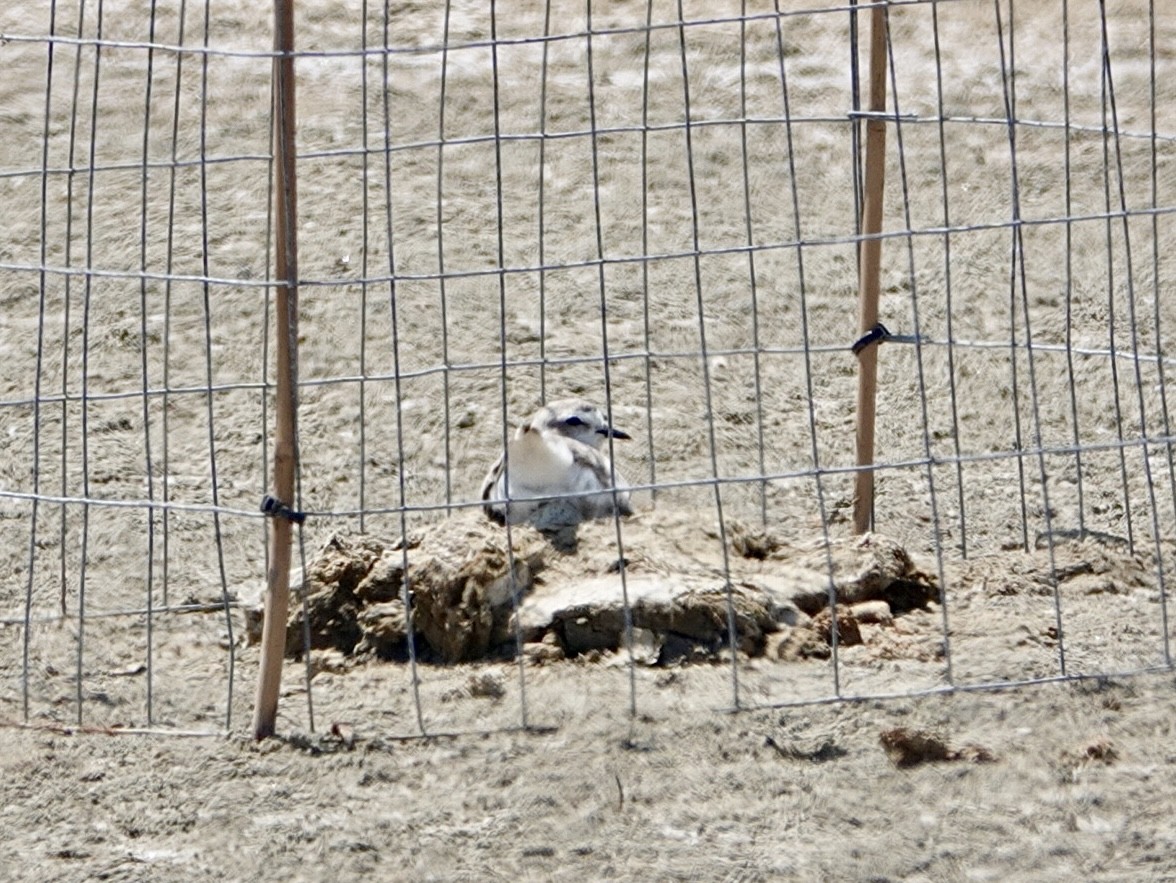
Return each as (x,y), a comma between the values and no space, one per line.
(277,596)
(869,264)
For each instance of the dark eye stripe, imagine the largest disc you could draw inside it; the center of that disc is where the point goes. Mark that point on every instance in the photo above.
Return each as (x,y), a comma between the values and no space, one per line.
(573,421)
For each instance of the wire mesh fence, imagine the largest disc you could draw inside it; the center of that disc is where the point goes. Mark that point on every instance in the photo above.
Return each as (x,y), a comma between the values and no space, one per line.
(654,206)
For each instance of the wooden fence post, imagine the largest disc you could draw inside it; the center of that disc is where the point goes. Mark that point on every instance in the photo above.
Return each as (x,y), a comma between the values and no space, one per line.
(277,595)
(868,282)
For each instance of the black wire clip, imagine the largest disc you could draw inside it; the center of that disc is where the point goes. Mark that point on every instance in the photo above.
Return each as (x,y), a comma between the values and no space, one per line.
(877,334)
(275,508)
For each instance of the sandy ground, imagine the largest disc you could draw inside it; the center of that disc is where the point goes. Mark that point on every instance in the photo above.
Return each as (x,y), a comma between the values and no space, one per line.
(621,772)
(1081,789)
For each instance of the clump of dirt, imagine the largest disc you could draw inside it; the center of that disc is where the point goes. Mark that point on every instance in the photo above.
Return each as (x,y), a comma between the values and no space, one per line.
(1099,749)
(908,747)
(462,580)
(814,639)
(845,624)
(681,620)
(329,619)
(869,567)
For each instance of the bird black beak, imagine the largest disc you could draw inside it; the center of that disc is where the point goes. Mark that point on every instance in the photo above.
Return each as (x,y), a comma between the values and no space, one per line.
(615,433)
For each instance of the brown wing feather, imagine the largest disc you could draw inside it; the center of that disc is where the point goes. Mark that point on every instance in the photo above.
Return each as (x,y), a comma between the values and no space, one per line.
(496,513)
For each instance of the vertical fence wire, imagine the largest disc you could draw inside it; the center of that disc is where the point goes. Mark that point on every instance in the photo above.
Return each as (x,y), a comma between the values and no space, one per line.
(949,306)
(87,326)
(1019,295)
(1156,300)
(856,161)
(857,154)
(500,274)
(646,317)
(42,297)
(1137,357)
(1015,257)
(365,236)
(209,409)
(303,593)
(920,368)
(394,315)
(503,378)
(1068,280)
(443,293)
(148,464)
(809,373)
(1112,300)
(751,269)
(542,200)
(64,488)
(169,269)
(606,371)
(704,354)
(66,313)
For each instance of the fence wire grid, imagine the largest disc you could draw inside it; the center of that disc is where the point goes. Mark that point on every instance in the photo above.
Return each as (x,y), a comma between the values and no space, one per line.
(653,205)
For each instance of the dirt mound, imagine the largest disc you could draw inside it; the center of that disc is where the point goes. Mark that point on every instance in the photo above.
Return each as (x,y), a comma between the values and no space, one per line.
(664,588)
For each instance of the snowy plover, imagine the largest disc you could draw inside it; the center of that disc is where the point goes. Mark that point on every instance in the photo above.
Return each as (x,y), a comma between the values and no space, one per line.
(557,452)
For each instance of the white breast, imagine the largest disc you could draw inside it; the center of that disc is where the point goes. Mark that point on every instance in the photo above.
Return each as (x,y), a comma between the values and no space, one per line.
(540,465)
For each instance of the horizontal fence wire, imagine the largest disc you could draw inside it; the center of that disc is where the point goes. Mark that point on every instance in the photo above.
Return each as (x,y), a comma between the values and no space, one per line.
(735,250)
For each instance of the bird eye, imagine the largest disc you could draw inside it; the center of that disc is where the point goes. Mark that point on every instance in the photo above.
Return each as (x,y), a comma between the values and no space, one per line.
(574,421)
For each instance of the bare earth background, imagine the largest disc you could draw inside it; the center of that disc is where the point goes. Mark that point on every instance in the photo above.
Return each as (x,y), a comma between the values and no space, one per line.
(1082,786)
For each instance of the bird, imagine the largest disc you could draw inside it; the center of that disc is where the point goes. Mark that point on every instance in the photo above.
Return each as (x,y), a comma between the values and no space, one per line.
(557,452)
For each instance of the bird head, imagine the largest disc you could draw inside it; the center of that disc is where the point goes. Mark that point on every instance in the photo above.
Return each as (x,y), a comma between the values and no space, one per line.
(576,419)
